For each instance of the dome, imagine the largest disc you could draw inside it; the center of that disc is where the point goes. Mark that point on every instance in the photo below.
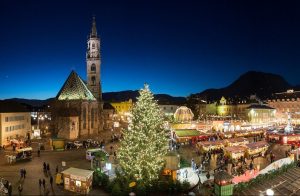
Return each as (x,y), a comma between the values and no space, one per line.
(183,114)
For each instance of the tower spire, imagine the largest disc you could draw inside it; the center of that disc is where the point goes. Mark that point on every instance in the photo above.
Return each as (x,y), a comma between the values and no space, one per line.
(94,29)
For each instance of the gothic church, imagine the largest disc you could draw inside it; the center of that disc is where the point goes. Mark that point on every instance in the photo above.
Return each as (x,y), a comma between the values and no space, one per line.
(78,108)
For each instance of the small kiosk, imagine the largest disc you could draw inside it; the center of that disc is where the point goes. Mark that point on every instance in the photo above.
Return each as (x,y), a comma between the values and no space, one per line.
(223,184)
(78,180)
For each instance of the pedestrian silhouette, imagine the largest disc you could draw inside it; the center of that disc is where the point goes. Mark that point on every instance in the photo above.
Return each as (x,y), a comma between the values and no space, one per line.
(20,188)
(51,180)
(44,183)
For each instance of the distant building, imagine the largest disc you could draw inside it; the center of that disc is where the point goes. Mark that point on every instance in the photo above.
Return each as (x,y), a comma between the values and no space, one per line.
(258,113)
(123,107)
(237,109)
(108,116)
(168,110)
(15,122)
(286,102)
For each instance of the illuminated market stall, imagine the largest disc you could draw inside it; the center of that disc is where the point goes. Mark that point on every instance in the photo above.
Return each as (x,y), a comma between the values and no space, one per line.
(206,146)
(237,141)
(235,152)
(257,148)
(78,180)
(189,135)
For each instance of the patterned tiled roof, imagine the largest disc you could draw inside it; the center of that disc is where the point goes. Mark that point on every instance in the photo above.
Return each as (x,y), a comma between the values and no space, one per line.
(74,89)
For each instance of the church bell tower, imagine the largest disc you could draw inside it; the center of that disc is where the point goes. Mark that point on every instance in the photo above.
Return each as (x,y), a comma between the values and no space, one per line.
(93,62)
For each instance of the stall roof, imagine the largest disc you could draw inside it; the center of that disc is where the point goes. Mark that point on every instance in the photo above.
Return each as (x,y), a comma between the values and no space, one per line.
(222,175)
(24,149)
(235,149)
(211,143)
(78,172)
(257,144)
(238,139)
(187,132)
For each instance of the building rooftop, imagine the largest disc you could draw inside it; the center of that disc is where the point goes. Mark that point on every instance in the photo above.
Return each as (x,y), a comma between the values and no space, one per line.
(78,172)
(108,106)
(74,89)
(260,106)
(290,94)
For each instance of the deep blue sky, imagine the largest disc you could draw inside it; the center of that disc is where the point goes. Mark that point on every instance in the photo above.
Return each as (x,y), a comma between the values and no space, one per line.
(178,47)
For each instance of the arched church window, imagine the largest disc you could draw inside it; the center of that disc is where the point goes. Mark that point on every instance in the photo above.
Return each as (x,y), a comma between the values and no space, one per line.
(93,45)
(93,80)
(93,67)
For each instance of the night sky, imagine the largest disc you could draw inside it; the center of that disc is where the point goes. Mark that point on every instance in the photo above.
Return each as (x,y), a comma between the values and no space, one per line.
(178,47)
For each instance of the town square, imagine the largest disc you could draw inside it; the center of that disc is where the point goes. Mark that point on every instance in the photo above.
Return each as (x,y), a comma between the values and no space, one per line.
(149,98)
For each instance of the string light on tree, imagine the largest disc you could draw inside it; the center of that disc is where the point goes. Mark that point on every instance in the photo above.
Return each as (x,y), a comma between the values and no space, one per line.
(141,153)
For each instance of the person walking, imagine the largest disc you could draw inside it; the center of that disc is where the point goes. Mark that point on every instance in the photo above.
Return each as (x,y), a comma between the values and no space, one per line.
(44,183)
(24,173)
(56,169)
(48,167)
(44,166)
(9,189)
(20,188)
(21,173)
(39,152)
(51,180)
(40,183)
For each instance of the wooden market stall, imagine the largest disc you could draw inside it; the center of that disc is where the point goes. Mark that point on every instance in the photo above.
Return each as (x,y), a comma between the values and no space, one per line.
(78,180)
(206,146)
(223,184)
(257,148)
(189,135)
(237,141)
(235,152)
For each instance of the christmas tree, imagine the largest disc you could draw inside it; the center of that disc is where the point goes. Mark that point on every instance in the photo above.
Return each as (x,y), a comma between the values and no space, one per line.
(141,153)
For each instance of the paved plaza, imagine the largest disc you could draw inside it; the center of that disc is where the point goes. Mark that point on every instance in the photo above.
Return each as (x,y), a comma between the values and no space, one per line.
(34,168)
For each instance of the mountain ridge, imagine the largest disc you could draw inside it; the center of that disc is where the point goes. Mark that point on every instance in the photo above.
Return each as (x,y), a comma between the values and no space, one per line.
(261,84)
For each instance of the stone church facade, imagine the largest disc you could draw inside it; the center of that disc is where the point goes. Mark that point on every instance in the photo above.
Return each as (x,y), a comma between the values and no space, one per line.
(77,110)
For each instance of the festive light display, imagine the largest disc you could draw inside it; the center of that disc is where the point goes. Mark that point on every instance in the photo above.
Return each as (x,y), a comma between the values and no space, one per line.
(141,152)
